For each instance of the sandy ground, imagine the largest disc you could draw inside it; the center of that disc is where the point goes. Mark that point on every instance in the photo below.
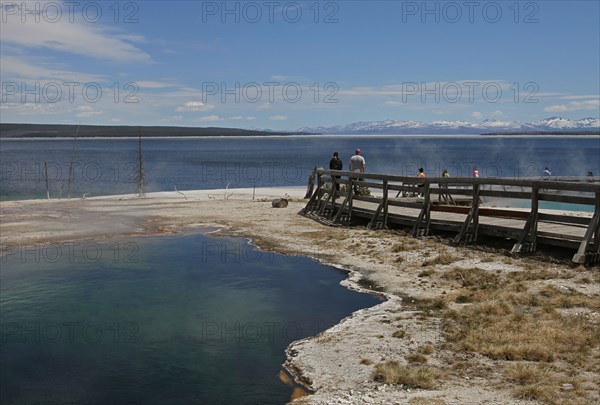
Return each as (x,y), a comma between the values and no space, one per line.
(337,364)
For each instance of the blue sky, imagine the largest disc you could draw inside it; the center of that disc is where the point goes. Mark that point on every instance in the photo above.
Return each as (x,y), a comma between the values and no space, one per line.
(289,64)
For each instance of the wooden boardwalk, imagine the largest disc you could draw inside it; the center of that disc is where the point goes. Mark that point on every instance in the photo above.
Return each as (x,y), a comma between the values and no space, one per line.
(426,205)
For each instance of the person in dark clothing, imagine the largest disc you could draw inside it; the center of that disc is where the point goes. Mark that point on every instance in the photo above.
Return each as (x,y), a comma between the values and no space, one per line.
(336,164)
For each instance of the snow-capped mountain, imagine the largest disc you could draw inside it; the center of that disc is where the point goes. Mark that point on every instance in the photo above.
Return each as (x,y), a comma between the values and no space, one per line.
(458,127)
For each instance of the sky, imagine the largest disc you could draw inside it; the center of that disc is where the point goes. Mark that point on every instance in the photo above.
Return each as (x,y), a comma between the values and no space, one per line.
(284,65)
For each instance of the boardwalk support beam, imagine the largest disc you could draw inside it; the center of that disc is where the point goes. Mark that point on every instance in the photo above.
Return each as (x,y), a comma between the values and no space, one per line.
(587,251)
(424,216)
(468,232)
(527,240)
(381,208)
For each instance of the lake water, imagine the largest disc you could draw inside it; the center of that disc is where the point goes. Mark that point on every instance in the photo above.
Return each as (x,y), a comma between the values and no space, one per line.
(159,320)
(108,166)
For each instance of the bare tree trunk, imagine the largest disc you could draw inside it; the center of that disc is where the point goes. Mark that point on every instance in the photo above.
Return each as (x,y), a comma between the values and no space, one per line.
(46,176)
(71,168)
(140,174)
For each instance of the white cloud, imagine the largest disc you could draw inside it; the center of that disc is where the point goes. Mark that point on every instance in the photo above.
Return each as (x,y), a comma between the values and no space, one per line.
(574,106)
(85,111)
(479,115)
(237,117)
(155,84)
(250,118)
(210,118)
(17,68)
(192,106)
(582,97)
(278,117)
(115,120)
(33,109)
(73,37)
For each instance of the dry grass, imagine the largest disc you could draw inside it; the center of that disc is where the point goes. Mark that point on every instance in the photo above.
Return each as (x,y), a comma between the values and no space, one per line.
(403,247)
(416,358)
(426,349)
(426,273)
(444,258)
(426,401)
(391,372)
(366,362)
(400,333)
(473,279)
(503,332)
(540,383)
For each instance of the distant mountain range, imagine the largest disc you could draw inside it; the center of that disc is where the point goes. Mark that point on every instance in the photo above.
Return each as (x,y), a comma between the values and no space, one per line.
(397,127)
(554,125)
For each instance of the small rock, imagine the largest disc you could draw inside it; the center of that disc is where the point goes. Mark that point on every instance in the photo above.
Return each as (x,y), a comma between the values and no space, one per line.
(279,203)
(467,378)
(568,387)
(564,290)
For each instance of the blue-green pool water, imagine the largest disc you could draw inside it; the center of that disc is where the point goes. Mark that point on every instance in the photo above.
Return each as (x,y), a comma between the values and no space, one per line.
(161,320)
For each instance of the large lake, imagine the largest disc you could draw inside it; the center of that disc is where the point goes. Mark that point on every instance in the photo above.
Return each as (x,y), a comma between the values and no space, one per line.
(108,166)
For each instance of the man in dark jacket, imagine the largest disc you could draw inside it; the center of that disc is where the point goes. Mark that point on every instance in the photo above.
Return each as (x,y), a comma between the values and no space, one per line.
(336,164)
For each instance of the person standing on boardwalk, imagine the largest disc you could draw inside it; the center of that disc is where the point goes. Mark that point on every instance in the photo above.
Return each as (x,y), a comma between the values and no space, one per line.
(357,164)
(475,172)
(336,164)
(421,175)
(547,171)
(446,197)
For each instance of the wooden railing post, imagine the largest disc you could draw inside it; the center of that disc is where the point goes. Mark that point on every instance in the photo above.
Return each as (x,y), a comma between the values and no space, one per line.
(424,215)
(310,205)
(381,208)
(592,231)
(472,220)
(528,237)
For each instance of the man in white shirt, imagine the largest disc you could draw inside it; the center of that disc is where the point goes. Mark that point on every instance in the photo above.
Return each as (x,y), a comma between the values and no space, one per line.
(357,164)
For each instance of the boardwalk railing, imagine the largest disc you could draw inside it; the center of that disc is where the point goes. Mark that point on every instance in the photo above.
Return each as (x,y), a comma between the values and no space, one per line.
(466,206)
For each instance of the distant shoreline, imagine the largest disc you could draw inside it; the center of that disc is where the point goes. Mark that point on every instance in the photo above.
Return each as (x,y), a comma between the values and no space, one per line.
(67,131)
(50,131)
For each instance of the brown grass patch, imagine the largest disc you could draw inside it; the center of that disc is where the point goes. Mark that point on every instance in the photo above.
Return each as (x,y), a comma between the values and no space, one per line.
(474,279)
(425,349)
(400,333)
(539,383)
(402,247)
(366,362)
(443,258)
(426,273)
(426,401)
(416,358)
(391,372)
(503,332)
